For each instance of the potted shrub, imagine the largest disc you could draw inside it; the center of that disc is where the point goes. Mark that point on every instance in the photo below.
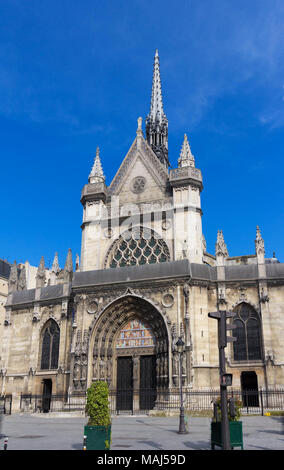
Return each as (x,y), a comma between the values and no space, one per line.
(97,432)
(235,425)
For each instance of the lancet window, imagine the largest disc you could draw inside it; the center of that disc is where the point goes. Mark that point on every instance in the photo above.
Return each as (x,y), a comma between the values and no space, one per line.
(50,346)
(247,347)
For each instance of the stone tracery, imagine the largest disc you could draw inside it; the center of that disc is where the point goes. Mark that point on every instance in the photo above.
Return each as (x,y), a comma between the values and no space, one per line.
(139,246)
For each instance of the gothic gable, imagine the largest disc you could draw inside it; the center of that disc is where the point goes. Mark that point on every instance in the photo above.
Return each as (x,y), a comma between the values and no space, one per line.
(141,176)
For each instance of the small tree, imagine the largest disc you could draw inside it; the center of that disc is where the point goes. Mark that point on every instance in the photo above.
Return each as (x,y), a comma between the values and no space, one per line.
(237,404)
(97,406)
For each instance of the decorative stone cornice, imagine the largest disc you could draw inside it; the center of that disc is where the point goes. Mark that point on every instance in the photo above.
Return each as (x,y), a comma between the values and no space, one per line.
(186,176)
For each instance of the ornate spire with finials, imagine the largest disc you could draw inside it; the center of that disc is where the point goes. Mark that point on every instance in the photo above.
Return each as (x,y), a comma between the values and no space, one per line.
(22,284)
(156,121)
(40,275)
(259,243)
(220,245)
(55,265)
(68,268)
(13,278)
(186,157)
(97,174)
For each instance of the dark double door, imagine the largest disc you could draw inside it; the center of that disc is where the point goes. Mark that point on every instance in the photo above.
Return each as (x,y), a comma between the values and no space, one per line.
(147,383)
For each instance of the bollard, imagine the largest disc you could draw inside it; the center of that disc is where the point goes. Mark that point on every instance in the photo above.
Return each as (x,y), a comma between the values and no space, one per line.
(5,443)
(84,444)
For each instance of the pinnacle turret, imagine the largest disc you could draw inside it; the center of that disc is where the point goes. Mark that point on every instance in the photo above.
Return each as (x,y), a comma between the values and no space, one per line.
(259,243)
(55,265)
(220,245)
(13,278)
(186,157)
(156,121)
(97,174)
(68,268)
(40,275)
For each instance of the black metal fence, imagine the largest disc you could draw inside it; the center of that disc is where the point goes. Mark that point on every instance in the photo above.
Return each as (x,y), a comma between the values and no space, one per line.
(53,403)
(6,404)
(145,400)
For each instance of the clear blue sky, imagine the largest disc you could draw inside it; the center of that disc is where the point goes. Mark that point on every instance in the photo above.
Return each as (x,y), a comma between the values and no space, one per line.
(75,75)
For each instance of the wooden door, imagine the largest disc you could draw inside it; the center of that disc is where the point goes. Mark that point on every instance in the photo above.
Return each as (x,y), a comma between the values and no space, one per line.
(147,382)
(124,399)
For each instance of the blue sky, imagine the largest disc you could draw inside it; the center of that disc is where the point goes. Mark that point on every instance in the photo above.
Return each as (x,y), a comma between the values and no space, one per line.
(77,75)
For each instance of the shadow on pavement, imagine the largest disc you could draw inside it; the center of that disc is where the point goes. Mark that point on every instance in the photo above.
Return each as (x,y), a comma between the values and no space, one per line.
(153,444)
(199,445)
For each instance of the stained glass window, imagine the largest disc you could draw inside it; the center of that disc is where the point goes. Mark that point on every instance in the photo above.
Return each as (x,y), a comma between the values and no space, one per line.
(135,334)
(247,347)
(50,346)
(140,247)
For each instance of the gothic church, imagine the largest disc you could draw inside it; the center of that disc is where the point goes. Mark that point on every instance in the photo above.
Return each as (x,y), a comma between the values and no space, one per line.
(144,280)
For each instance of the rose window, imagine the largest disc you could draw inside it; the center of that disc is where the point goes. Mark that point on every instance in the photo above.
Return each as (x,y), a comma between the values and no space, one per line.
(141,246)
(138,184)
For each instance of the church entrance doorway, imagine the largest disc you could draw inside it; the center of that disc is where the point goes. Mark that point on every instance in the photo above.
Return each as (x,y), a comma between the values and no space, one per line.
(136,366)
(249,388)
(130,352)
(136,379)
(46,395)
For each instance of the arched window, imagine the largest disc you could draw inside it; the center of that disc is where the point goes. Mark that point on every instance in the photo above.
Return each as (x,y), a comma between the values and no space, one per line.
(139,246)
(50,346)
(247,347)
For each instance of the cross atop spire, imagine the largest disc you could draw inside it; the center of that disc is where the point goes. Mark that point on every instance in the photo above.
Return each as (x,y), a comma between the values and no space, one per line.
(97,174)
(156,121)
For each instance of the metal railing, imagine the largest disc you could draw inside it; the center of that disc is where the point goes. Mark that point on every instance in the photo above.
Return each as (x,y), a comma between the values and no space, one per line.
(143,401)
(53,403)
(6,404)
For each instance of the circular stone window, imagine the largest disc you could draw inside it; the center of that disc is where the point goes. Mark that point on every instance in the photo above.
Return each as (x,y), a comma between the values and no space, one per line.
(138,184)
(92,306)
(168,300)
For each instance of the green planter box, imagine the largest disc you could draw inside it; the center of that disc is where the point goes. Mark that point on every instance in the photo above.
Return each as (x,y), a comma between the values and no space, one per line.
(236,434)
(97,437)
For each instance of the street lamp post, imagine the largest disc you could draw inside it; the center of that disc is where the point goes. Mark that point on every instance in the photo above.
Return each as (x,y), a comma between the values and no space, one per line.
(180,350)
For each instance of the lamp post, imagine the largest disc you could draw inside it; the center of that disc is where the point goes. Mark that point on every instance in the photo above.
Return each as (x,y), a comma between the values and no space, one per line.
(180,350)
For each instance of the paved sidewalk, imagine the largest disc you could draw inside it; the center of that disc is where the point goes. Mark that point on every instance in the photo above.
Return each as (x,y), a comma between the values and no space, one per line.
(41,432)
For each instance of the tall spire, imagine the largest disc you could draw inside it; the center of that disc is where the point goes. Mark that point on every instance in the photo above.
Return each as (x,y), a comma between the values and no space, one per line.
(97,174)
(156,121)
(186,157)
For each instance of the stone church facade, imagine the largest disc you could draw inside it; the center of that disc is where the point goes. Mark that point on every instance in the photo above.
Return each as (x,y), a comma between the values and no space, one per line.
(144,279)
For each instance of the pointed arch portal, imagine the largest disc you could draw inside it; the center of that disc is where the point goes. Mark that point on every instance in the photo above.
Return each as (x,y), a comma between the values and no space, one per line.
(130,347)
